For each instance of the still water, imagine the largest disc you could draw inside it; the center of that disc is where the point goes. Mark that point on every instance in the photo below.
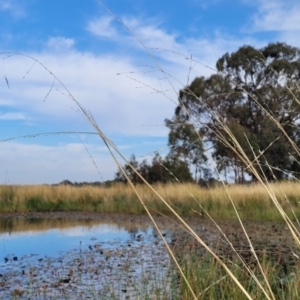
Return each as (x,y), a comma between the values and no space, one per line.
(52,241)
(61,259)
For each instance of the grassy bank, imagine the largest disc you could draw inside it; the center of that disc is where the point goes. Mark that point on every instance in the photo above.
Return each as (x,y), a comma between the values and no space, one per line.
(251,201)
(211,282)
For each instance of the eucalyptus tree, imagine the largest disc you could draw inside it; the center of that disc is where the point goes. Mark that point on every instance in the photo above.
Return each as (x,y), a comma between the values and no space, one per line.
(160,170)
(186,145)
(255,93)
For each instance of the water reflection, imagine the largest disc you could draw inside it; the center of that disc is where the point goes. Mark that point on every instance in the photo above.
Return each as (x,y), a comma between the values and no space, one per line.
(70,258)
(51,241)
(12,225)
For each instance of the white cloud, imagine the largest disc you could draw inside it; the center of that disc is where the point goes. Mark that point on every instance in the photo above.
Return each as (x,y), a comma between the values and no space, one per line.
(128,104)
(135,31)
(28,164)
(60,44)
(12,116)
(115,101)
(102,27)
(150,33)
(12,7)
(276,15)
(174,51)
(290,37)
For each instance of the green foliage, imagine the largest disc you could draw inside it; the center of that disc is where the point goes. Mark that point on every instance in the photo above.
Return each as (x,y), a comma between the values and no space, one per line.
(210,281)
(37,203)
(7,198)
(161,170)
(186,146)
(253,87)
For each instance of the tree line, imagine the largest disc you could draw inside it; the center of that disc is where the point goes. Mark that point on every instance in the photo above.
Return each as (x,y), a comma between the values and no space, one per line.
(255,93)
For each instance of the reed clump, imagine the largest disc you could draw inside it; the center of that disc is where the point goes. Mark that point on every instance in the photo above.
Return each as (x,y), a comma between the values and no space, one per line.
(252,201)
(211,282)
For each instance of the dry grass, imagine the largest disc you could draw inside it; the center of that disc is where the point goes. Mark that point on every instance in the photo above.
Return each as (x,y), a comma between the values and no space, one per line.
(252,201)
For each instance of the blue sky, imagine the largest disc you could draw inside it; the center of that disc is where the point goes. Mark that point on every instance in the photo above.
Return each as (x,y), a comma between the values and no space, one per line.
(111,74)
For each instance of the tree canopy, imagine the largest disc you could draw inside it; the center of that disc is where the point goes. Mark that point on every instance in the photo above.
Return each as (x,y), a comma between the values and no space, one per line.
(255,93)
(160,170)
(186,146)
(249,107)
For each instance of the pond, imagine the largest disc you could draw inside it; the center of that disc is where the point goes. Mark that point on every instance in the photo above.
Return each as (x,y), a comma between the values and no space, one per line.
(82,259)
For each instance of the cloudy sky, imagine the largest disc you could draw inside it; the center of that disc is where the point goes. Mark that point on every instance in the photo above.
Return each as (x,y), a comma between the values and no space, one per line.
(124,61)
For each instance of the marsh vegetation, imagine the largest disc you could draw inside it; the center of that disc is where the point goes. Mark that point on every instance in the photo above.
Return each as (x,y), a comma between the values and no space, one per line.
(252,201)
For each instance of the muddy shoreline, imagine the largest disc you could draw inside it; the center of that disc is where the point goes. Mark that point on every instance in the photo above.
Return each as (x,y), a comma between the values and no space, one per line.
(272,240)
(129,265)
